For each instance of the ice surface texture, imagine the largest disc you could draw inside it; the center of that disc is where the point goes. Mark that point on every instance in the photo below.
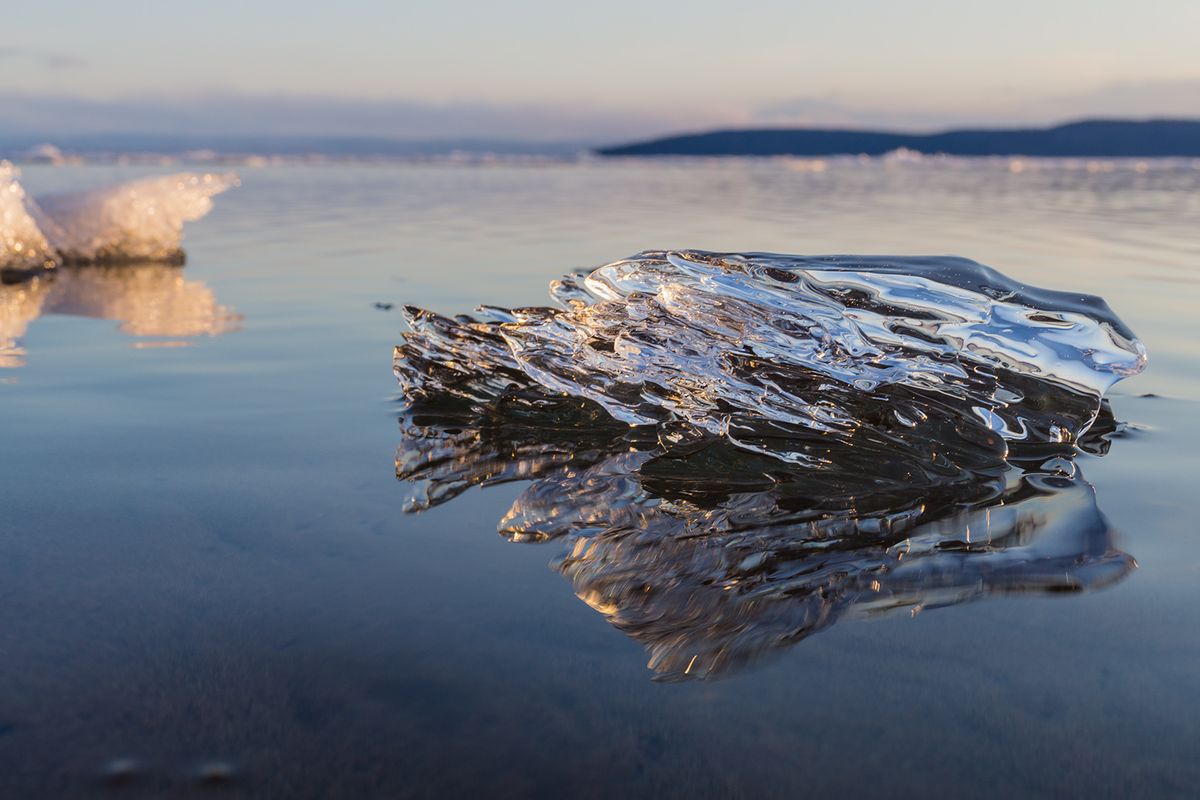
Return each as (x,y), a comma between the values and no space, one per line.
(137,221)
(941,358)
(23,245)
(739,450)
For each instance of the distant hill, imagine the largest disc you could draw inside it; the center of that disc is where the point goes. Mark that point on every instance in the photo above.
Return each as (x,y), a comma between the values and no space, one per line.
(1089,138)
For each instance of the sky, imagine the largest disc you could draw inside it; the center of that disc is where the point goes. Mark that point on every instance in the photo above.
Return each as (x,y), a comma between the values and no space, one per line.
(544,70)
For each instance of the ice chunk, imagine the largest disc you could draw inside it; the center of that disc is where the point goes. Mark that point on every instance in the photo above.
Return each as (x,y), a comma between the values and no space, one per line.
(137,221)
(23,245)
(739,450)
(939,357)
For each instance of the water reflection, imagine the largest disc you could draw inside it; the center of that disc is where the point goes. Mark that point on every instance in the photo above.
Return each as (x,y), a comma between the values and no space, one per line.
(150,300)
(713,558)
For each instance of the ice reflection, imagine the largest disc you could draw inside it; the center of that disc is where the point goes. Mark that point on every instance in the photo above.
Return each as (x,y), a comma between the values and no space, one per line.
(149,300)
(713,557)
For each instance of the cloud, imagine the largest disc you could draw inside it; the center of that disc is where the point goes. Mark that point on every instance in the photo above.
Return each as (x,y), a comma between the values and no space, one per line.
(46,59)
(232,114)
(829,112)
(1171,98)
(992,107)
(213,115)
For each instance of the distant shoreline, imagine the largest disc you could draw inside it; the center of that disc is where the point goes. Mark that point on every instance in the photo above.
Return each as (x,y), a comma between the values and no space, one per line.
(1084,139)
(1094,139)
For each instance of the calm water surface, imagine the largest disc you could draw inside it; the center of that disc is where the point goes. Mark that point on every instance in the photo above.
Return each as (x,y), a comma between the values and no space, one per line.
(207,580)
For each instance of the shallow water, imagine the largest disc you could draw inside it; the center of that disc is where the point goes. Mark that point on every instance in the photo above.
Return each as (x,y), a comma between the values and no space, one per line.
(209,579)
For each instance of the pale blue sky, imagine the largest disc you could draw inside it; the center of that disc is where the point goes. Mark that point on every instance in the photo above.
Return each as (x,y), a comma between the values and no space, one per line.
(541,69)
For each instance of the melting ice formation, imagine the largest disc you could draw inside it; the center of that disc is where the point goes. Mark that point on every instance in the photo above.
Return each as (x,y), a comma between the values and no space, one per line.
(941,358)
(739,450)
(137,221)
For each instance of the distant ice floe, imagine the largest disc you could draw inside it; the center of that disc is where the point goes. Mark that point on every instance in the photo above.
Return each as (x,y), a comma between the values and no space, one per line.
(137,221)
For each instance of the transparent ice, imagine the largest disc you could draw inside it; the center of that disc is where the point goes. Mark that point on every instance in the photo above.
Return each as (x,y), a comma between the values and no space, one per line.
(941,357)
(737,451)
